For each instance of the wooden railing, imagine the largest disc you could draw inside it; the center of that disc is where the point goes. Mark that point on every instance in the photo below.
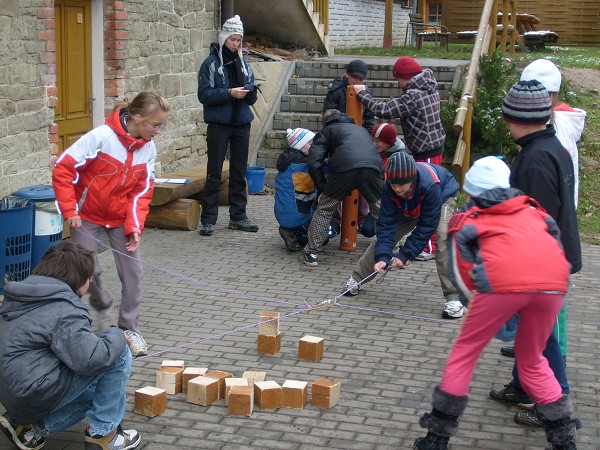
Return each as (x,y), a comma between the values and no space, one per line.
(485,42)
(322,7)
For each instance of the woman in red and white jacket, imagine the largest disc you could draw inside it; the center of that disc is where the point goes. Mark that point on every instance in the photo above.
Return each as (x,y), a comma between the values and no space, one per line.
(104,183)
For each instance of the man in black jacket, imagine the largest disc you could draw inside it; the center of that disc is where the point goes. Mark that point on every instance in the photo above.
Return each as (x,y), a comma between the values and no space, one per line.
(355,164)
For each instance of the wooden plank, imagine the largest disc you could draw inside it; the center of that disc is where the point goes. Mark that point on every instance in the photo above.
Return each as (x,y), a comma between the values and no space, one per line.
(165,193)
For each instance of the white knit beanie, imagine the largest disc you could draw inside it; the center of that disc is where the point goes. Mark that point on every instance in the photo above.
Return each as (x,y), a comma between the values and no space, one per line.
(545,72)
(485,174)
(230,27)
(298,137)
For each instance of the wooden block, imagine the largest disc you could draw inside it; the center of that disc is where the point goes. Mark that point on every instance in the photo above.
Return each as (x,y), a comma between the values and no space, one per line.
(311,348)
(325,393)
(253,376)
(220,376)
(267,394)
(173,363)
(241,400)
(150,401)
(203,390)
(269,323)
(268,345)
(170,379)
(294,394)
(230,382)
(190,373)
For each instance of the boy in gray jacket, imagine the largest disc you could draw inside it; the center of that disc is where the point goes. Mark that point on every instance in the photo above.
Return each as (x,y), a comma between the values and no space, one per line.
(54,371)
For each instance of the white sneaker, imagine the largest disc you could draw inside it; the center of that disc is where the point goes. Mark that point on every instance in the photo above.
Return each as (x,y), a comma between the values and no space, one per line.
(351,287)
(454,310)
(137,344)
(424,256)
(104,318)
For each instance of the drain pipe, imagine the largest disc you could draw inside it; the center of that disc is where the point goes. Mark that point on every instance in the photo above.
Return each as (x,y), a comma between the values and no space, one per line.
(226,10)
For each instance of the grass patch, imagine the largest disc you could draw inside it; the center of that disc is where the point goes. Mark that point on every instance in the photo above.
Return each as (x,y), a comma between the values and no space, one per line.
(589,146)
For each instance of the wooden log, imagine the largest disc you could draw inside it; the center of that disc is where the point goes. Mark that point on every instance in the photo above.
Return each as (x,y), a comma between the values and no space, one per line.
(180,214)
(196,176)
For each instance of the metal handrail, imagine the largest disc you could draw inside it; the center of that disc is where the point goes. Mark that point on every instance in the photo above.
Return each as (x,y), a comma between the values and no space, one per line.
(485,42)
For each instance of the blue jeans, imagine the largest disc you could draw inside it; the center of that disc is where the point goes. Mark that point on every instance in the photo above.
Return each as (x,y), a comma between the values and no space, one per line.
(553,354)
(99,399)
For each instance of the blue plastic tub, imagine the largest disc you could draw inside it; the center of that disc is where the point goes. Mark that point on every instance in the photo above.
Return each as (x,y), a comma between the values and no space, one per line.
(47,222)
(16,227)
(256,179)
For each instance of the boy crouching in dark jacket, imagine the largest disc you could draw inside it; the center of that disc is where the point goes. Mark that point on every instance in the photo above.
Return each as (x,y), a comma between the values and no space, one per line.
(54,371)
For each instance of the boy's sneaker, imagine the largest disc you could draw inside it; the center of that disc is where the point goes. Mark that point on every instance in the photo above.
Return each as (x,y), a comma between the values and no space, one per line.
(207,229)
(289,237)
(352,287)
(23,436)
(424,256)
(453,310)
(137,343)
(243,225)
(119,439)
(511,396)
(528,419)
(309,259)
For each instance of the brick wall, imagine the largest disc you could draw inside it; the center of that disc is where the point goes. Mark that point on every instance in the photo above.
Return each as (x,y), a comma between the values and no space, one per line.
(359,23)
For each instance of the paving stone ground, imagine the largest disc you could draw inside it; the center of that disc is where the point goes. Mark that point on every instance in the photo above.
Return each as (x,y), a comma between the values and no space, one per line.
(387,346)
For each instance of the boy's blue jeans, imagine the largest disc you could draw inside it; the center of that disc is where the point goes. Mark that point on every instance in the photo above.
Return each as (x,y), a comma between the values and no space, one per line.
(99,399)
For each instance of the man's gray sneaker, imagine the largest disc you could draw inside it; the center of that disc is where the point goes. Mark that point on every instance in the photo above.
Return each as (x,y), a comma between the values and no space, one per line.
(424,256)
(352,287)
(137,344)
(453,310)
(243,225)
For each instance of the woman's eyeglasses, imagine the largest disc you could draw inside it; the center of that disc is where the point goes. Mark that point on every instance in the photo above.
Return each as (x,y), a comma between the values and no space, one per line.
(157,126)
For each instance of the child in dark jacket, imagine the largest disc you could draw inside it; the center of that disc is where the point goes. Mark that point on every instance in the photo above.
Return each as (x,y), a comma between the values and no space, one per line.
(54,371)
(295,193)
(496,278)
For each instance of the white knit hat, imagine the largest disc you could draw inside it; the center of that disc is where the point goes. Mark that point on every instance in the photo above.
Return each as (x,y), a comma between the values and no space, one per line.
(485,174)
(230,27)
(545,72)
(298,137)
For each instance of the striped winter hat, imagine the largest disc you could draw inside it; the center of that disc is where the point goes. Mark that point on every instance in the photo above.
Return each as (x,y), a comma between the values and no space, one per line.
(298,137)
(527,103)
(401,168)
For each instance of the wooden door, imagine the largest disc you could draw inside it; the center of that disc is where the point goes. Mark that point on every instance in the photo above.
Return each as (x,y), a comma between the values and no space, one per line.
(73,114)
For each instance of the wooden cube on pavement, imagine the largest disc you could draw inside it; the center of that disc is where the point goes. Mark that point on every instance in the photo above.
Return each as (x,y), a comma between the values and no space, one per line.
(269,323)
(268,345)
(311,348)
(294,394)
(241,400)
(170,376)
(253,376)
(220,376)
(325,393)
(203,390)
(190,373)
(267,394)
(230,382)
(150,401)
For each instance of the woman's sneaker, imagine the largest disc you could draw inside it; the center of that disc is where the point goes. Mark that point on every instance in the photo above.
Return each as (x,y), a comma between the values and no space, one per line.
(23,436)
(137,344)
(119,439)
(309,259)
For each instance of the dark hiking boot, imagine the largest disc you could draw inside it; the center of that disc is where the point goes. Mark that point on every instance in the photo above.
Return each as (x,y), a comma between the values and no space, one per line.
(511,396)
(431,442)
(507,351)
(243,225)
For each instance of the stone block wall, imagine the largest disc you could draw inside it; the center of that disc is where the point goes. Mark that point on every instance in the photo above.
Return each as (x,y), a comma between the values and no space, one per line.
(359,23)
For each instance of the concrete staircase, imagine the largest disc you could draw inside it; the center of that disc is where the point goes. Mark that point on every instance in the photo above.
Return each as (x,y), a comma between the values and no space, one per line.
(302,105)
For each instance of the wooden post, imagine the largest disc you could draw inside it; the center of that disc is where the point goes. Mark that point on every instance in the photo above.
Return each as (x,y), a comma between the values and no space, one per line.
(350,204)
(387,25)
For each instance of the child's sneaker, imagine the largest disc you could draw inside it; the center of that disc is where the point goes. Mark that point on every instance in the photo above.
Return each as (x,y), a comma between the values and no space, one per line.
(453,309)
(137,344)
(23,436)
(352,287)
(310,259)
(117,440)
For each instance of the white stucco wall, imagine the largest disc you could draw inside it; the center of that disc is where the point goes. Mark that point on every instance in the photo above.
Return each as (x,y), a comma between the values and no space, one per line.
(359,23)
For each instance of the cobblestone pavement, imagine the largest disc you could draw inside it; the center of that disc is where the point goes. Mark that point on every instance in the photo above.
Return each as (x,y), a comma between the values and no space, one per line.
(387,346)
